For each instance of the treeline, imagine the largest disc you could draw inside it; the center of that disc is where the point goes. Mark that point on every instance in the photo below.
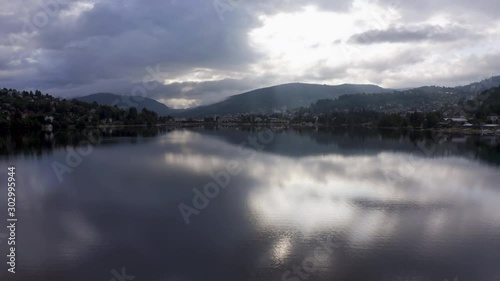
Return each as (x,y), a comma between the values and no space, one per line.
(35,142)
(32,110)
(413,120)
(391,102)
(415,108)
(370,118)
(486,104)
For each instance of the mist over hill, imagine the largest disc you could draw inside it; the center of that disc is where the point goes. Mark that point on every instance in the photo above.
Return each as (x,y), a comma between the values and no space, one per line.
(478,87)
(287,96)
(297,95)
(126,102)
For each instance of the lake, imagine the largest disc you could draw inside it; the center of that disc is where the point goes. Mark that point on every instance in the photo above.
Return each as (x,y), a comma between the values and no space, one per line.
(253,204)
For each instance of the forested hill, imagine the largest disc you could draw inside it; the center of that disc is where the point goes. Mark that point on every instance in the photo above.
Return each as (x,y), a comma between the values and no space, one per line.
(125,102)
(415,99)
(289,96)
(487,103)
(32,110)
(425,99)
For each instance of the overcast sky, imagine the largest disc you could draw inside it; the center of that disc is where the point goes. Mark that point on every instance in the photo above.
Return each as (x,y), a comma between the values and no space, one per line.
(202,51)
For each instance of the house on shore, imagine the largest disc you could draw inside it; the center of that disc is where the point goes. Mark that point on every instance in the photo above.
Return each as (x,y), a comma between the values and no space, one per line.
(493,119)
(456,122)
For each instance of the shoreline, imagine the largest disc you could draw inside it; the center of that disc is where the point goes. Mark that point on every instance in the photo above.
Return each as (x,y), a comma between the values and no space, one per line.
(450,131)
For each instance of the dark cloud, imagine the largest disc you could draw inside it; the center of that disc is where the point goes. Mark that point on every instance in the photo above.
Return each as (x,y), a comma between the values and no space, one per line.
(200,93)
(411,34)
(116,40)
(281,6)
(106,46)
(425,9)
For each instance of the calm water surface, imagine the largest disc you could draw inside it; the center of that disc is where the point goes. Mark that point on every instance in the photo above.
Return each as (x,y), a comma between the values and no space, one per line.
(300,205)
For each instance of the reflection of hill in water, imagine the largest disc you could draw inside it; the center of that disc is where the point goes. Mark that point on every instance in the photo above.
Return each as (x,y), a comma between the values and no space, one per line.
(38,143)
(352,142)
(291,143)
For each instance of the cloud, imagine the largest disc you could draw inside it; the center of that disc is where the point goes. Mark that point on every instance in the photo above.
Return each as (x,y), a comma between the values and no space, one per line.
(412,34)
(457,9)
(119,41)
(86,46)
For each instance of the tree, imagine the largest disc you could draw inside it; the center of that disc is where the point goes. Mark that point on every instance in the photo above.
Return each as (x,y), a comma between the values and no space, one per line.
(416,119)
(81,124)
(432,120)
(132,114)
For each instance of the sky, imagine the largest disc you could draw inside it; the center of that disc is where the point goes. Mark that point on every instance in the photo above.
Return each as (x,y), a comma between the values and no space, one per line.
(187,53)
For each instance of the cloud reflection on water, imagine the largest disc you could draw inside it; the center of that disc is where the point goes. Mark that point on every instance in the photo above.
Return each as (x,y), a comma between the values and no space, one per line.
(305,196)
(277,210)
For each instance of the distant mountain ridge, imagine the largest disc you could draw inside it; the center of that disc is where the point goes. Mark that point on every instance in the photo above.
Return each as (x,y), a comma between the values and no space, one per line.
(286,96)
(280,97)
(478,87)
(126,102)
